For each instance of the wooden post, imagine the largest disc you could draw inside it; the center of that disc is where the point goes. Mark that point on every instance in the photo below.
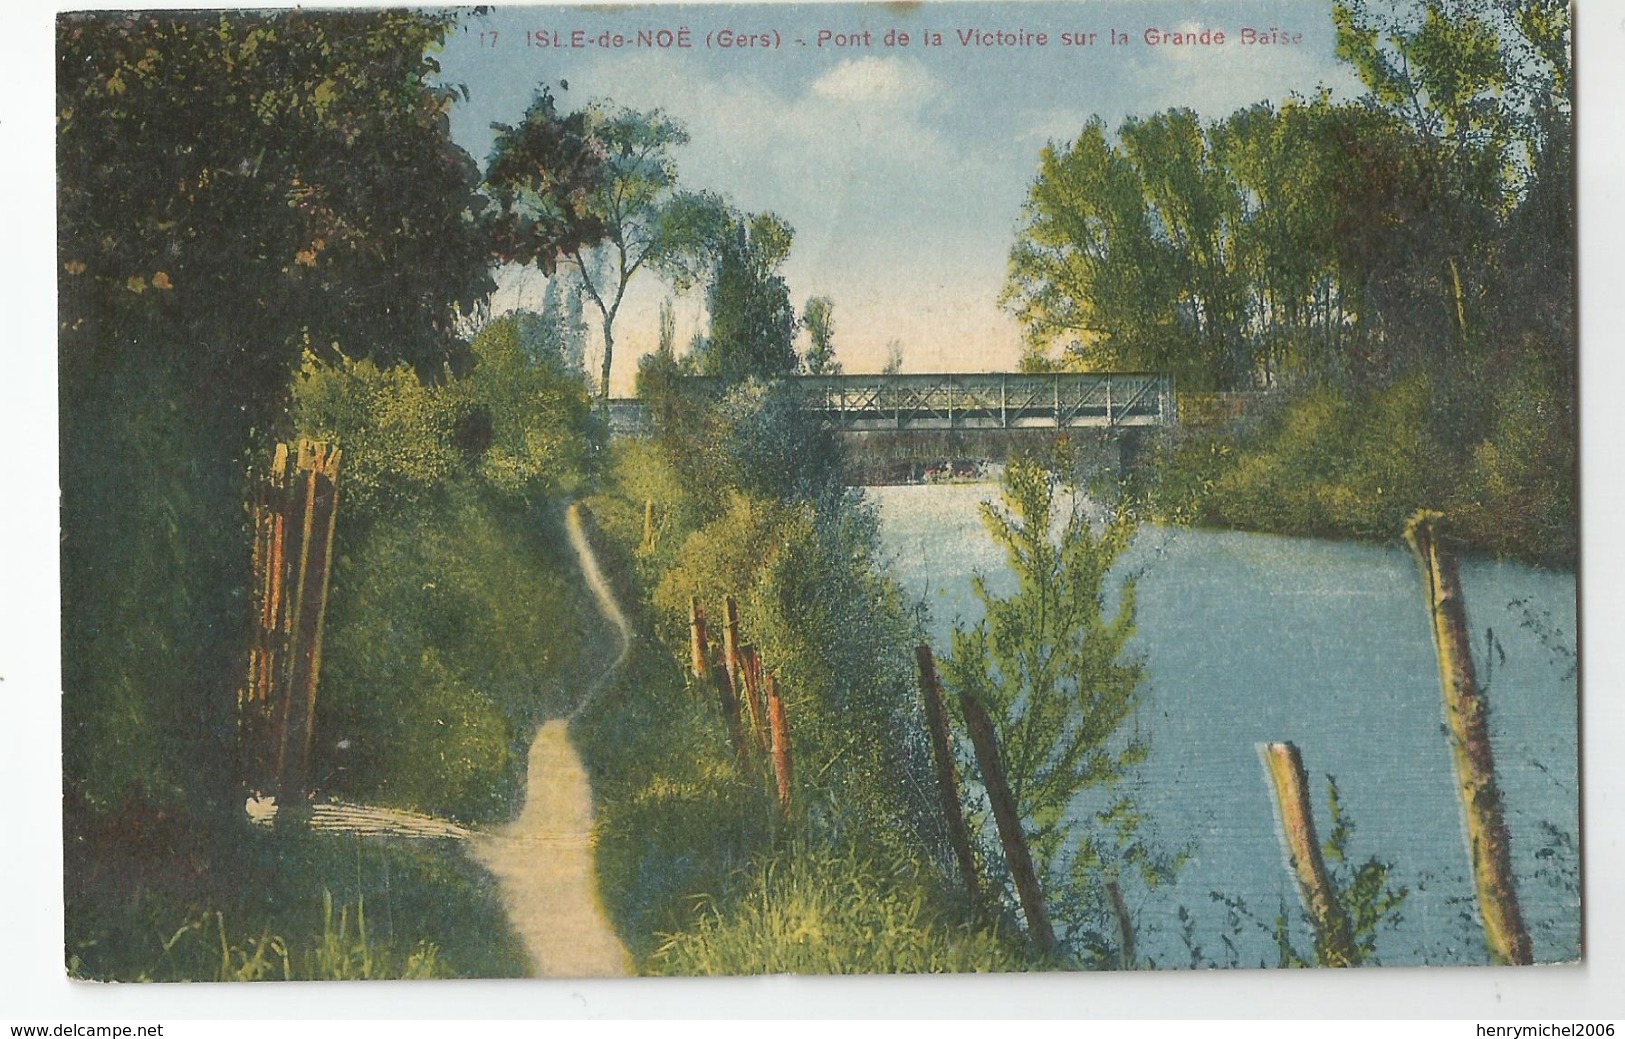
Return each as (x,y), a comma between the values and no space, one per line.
(730,639)
(648,526)
(1334,935)
(258,710)
(1465,712)
(750,666)
(1126,955)
(316,494)
(1008,819)
(696,646)
(780,727)
(730,710)
(936,723)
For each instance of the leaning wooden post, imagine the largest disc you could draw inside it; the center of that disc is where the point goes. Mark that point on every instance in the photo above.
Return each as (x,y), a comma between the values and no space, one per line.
(317,469)
(730,639)
(729,703)
(1334,935)
(1008,819)
(780,728)
(936,723)
(1466,716)
(648,544)
(750,668)
(696,643)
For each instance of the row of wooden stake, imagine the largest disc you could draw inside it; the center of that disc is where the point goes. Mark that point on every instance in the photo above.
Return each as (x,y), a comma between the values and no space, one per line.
(740,675)
(1506,937)
(294,511)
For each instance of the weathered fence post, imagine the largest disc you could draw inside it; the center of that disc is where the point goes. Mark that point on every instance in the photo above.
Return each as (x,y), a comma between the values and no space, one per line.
(697,642)
(1504,933)
(648,544)
(730,639)
(780,727)
(729,703)
(314,501)
(750,666)
(936,723)
(1334,935)
(1008,819)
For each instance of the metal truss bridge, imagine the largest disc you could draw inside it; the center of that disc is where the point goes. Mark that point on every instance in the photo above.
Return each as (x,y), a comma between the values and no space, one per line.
(984,401)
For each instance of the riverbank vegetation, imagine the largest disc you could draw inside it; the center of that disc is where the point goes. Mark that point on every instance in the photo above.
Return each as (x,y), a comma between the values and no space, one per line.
(1394,276)
(703,868)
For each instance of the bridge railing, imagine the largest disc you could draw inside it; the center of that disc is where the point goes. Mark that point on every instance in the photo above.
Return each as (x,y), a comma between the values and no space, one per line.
(989,401)
(1050,400)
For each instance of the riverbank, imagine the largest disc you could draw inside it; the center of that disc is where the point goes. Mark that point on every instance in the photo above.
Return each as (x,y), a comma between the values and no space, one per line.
(701,867)
(1330,463)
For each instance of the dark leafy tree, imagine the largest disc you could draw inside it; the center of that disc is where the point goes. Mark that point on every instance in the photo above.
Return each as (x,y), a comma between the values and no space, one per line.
(234,190)
(542,174)
(818,318)
(620,209)
(753,323)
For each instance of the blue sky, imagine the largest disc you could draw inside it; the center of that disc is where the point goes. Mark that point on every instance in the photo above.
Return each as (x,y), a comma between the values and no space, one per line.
(902,169)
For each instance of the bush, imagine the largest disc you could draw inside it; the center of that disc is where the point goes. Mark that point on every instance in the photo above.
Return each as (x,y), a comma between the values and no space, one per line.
(453,631)
(1329,463)
(1518,494)
(1493,446)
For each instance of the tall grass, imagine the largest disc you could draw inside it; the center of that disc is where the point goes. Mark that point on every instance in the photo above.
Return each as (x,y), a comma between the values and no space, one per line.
(822,910)
(258,905)
(202,950)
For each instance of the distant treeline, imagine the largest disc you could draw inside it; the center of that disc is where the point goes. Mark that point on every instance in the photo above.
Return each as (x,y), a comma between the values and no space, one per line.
(1430,221)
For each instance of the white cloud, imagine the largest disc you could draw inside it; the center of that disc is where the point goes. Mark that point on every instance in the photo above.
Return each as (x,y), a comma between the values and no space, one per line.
(873,79)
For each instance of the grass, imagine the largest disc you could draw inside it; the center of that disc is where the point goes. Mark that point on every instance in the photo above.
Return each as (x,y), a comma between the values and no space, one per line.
(155,898)
(820,910)
(675,817)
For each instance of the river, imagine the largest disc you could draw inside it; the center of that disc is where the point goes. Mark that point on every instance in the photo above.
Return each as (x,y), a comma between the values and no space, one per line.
(1252,638)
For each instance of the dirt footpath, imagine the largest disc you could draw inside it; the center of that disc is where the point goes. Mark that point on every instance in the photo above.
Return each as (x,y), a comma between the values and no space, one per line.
(544,858)
(544,862)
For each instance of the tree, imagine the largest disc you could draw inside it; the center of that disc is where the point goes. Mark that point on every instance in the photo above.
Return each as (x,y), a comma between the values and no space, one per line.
(753,323)
(1050,665)
(1086,272)
(818,318)
(1198,212)
(1285,252)
(234,189)
(621,209)
(894,358)
(1483,86)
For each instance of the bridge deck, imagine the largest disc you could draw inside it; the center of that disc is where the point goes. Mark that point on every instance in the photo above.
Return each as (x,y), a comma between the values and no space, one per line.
(1058,400)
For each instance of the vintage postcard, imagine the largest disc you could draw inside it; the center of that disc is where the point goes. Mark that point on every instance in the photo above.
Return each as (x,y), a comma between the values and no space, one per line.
(586,491)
